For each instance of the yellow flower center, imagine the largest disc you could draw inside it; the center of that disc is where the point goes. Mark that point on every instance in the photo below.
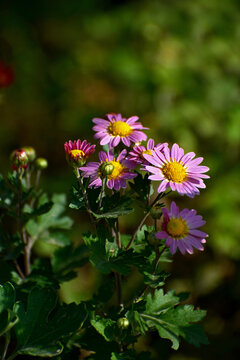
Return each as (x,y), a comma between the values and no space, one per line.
(148,152)
(77,153)
(177,228)
(174,171)
(119,128)
(117,171)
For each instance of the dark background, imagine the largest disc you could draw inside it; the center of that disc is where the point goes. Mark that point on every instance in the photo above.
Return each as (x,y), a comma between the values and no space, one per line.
(175,64)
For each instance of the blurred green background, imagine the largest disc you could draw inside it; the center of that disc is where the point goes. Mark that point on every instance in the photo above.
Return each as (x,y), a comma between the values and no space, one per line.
(175,64)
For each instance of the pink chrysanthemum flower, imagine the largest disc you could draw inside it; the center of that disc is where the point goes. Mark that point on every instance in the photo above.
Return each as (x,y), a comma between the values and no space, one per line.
(117,170)
(180,230)
(115,129)
(136,154)
(176,170)
(77,152)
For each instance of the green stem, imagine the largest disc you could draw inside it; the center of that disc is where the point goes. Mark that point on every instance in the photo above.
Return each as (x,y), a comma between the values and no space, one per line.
(80,181)
(118,288)
(159,197)
(118,236)
(18,269)
(5,349)
(37,178)
(104,181)
(155,266)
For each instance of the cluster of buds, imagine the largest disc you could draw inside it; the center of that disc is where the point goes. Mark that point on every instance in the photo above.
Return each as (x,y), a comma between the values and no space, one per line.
(23,157)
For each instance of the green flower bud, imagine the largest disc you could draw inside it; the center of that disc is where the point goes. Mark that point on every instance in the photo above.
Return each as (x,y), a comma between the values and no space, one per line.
(123,323)
(106,168)
(156,212)
(41,163)
(19,159)
(31,153)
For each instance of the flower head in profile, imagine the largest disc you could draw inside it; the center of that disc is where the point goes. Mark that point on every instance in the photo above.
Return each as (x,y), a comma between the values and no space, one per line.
(180,229)
(115,129)
(77,152)
(116,170)
(179,171)
(136,154)
(6,75)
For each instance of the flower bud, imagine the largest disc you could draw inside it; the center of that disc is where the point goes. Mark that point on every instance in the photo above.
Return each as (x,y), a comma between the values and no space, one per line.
(31,153)
(41,163)
(106,168)
(123,323)
(76,158)
(19,159)
(156,212)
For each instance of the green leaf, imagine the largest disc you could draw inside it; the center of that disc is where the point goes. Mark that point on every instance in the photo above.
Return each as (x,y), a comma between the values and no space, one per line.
(131,355)
(43,324)
(159,302)
(171,320)
(7,299)
(45,225)
(7,320)
(7,296)
(115,206)
(194,335)
(155,280)
(68,258)
(106,327)
(31,213)
(105,291)
(141,185)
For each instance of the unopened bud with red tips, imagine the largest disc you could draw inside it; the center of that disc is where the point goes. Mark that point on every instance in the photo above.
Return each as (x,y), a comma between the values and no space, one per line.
(123,323)
(76,158)
(19,159)
(106,168)
(156,212)
(31,153)
(77,152)
(41,163)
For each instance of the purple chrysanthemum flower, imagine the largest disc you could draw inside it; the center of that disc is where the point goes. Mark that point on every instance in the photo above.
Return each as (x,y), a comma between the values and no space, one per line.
(176,170)
(115,129)
(117,170)
(180,230)
(77,152)
(136,154)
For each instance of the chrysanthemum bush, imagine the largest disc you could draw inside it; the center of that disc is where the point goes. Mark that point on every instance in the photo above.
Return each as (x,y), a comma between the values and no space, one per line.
(33,320)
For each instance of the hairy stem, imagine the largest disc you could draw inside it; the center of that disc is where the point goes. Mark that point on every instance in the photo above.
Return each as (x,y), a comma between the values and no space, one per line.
(101,194)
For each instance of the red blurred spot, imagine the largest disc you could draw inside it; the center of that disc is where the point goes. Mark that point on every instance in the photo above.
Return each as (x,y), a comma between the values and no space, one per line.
(6,75)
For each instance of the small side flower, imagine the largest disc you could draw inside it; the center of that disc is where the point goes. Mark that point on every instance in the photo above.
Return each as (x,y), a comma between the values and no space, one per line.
(136,154)
(180,229)
(117,171)
(77,152)
(115,129)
